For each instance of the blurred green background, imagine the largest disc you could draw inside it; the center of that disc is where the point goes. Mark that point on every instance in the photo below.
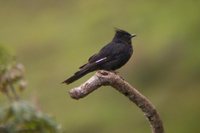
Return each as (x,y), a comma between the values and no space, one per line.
(52,38)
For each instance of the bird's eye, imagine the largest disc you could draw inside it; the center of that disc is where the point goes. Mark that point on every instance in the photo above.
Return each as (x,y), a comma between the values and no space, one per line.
(127,35)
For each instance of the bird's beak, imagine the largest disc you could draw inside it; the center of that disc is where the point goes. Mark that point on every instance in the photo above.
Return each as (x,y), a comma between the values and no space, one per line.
(133,35)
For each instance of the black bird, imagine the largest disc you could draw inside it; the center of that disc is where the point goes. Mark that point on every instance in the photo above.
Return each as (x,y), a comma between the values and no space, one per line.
(111,57)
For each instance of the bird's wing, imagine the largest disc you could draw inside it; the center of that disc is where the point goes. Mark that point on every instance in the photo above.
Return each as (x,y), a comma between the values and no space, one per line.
(106,54)
(95,62)
(90,60)
(93,58)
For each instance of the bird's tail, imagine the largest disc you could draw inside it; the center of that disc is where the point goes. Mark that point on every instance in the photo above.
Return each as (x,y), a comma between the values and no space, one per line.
(76,76)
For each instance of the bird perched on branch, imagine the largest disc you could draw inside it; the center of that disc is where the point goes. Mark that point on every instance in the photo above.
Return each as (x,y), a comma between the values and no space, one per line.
(111,57)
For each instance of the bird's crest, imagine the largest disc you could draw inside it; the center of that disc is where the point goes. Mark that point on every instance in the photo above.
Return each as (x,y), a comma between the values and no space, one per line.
(117,30)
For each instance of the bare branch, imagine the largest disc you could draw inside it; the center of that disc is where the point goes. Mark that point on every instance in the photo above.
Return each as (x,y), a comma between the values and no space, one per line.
(105,78)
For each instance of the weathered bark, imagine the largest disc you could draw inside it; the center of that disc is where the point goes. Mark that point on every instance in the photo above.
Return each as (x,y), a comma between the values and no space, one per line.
(105,78)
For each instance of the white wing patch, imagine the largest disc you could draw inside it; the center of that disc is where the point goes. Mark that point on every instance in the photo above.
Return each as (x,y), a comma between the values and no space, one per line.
(102,59)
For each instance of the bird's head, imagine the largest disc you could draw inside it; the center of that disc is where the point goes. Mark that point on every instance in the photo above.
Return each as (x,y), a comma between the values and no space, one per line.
(123,35)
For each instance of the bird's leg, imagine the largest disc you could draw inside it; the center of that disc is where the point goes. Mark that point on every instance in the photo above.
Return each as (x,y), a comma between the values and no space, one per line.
(116,72)
(105,73)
